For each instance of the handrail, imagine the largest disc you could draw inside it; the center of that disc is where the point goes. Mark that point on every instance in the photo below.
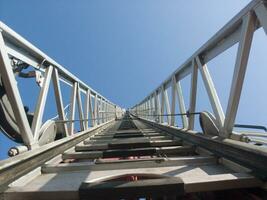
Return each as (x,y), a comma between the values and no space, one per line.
(238,30)
(14,47)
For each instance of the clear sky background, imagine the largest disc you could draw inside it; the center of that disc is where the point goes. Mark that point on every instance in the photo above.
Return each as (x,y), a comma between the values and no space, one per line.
(124,49)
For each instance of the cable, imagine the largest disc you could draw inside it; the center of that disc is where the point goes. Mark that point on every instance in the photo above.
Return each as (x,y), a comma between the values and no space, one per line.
(75,120)
(175,114)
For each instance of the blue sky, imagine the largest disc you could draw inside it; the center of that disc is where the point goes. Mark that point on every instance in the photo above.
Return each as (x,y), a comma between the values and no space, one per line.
(124,49)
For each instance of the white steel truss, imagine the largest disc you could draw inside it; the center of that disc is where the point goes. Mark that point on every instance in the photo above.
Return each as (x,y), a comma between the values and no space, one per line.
(239,30)
(13,46)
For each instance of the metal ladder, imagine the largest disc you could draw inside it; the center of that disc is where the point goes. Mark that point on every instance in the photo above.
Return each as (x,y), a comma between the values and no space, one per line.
(131,159)
(138,154)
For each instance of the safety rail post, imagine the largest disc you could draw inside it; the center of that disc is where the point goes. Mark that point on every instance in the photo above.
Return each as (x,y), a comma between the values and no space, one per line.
(12,91)
(173,95)
(80,108)
(39,109)
(193,93)
(72,108)
(87,109)
(59,101)
(182,104)
(95,110)
(162,101)
(248,27)
(212,93)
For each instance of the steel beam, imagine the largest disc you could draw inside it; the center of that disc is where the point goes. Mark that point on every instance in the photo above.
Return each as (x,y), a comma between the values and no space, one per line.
(247,31)
(39,109)
(12,91)
(59,101)
(193,94)
(72,107)
(212,94)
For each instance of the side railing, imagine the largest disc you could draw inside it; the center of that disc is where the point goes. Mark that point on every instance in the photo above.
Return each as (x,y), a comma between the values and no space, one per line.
(16,55)
(159,108)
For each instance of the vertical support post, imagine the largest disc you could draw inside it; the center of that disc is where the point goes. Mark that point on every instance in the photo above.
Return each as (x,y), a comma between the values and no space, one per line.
(72,108)
(91,115)
(213,97)
(168,110)
(96,110)
(109,112)
(14,97)
(146,109)
(106,112)
(159,105)
(101,109)
(182,105)
(59,101)
(193,95)
(156,106)
(80,108)
(162,105)
(173,95)
(115,112)
(152,107)
(248,26)
(86,109)
(39,109)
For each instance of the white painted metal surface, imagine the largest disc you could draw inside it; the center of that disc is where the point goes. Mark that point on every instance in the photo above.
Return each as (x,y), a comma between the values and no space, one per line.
(13,46)
(239,30)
